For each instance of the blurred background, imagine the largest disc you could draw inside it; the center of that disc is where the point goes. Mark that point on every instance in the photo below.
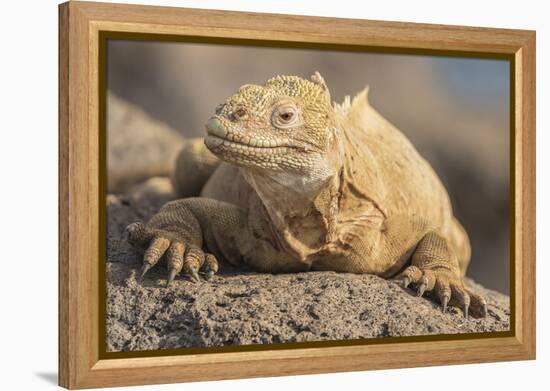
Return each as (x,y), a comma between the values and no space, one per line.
(454,110)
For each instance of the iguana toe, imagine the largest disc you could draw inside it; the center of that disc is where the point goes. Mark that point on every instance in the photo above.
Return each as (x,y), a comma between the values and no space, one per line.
(478,305)
(210,266)
(411,274)
(461,297)
(174,260)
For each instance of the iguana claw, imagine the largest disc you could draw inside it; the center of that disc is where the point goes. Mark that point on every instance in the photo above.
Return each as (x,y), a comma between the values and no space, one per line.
(444,302)
(483,310)
(421,289)
(194,275)
(171,277)
(146,267)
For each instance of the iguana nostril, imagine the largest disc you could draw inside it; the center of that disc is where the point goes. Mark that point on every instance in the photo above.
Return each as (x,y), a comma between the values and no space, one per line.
(238,114)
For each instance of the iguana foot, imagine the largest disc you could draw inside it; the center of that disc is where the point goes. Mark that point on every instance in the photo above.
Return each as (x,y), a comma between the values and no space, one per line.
(179,255)
(448,288)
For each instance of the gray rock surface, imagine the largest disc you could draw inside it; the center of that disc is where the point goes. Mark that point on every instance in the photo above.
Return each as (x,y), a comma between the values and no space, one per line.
(242,307)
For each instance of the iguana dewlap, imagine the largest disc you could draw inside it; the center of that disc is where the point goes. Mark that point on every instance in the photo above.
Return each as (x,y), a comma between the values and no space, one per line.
(298,184)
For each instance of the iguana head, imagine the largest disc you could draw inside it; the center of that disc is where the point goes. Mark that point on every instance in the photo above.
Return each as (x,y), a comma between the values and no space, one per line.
(284,126)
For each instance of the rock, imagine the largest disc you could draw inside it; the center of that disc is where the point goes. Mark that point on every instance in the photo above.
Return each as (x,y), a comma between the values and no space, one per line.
(138,146)
(243,307)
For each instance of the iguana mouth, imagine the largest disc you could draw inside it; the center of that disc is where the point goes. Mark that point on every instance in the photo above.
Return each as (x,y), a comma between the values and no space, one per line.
(215,143)
(219,137)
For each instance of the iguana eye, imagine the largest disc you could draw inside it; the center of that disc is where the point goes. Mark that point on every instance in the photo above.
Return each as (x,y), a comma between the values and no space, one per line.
(285,116)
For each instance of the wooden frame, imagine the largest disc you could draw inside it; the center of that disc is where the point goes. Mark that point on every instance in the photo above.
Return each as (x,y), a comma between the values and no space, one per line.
(80,24)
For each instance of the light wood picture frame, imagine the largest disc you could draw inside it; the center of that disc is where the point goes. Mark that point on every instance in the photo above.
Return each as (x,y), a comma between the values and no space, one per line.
(83,29)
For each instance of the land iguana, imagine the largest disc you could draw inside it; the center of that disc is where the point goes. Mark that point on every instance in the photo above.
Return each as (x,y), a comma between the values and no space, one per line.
(299,183)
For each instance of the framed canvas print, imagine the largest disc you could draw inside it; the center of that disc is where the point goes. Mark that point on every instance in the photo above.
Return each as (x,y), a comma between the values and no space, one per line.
(248,195)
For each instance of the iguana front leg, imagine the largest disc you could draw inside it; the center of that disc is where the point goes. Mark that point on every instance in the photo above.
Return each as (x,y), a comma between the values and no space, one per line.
(183,229)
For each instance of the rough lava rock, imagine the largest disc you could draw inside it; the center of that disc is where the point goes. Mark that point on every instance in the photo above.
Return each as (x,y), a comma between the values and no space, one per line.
(243,307)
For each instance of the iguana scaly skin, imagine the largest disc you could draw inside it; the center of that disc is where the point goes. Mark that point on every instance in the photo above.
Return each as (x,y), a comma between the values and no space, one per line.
(307,185)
